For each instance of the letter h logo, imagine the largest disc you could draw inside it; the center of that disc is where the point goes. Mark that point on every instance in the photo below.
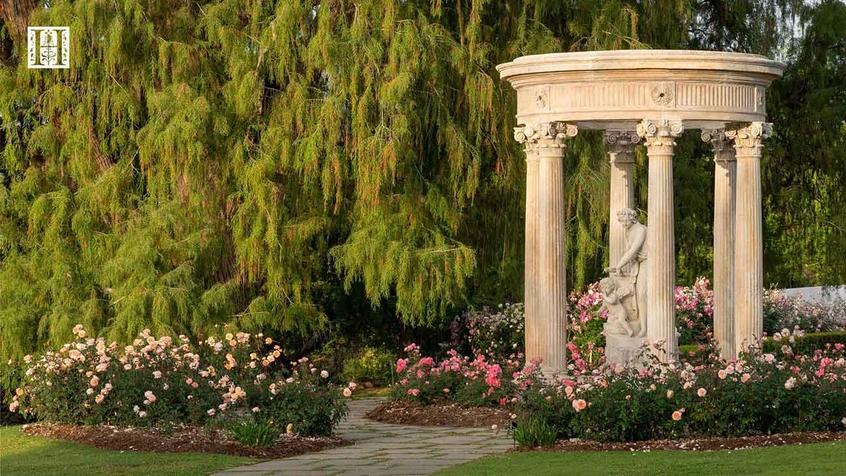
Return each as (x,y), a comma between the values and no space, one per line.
(48,47)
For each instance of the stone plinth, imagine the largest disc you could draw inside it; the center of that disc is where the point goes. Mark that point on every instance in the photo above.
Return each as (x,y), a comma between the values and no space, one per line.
(623,350)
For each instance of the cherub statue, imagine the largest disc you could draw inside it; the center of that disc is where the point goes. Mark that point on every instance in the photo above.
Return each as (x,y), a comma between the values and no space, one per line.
(613,303)
(629,270)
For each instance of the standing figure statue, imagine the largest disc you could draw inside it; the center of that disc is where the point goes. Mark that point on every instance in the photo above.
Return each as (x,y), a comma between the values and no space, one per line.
(628,273)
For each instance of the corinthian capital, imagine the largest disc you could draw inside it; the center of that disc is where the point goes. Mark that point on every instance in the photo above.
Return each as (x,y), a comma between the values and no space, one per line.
(721,142)
(546,135)
(749,140)
(621,145)
(660,133)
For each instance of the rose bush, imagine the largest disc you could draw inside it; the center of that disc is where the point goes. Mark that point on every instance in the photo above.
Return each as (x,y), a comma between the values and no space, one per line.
(161,381)
(759,393)
(476,381)
(496,333)
(756,394)
(781,311)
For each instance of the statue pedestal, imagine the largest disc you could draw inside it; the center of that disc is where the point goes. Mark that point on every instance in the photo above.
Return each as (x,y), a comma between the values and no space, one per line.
(621,349)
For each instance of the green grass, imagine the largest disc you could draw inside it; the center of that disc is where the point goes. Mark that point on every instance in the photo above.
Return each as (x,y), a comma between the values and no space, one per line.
(33,455)
(371,392)
(812,459)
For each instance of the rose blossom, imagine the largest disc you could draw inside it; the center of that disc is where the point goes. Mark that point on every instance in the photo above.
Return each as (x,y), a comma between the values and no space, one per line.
(324,374)
(701,392)
(347,392)
(579,404)
(677,415)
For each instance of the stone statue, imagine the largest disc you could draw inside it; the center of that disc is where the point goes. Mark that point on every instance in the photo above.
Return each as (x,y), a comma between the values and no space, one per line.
(613,303)
(628,275)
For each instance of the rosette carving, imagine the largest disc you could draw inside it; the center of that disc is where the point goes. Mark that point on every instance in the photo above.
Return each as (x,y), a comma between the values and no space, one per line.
(545,135)
(662,94)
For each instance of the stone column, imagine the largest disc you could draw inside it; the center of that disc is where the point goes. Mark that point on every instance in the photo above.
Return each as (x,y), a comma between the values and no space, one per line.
(660,256)
(546,292)
(749,241)
(621,151)
(725,171)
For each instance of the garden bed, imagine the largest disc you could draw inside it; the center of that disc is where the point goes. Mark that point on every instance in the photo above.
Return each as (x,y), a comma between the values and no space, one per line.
(439,414)
(700,444)
(179,440)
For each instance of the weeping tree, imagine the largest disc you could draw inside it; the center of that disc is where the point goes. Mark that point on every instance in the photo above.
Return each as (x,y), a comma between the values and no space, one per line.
(275,164)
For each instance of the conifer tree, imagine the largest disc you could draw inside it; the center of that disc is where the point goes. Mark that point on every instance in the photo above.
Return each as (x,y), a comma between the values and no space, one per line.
(249,161)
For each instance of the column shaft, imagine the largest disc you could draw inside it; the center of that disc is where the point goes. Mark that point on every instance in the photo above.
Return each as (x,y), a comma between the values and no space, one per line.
(533,333)
(749,243)
(545,274)
(725,179)
(552,266)
(724,226)
(621,151)
(661,266)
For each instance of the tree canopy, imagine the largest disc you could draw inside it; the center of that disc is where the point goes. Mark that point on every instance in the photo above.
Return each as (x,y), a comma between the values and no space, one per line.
(279,163)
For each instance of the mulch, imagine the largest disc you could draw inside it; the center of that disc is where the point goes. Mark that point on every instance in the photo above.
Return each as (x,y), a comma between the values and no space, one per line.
(178,440)
(439,414)
(701,444)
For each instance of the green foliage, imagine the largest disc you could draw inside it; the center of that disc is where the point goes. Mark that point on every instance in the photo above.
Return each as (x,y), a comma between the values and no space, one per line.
(755,394)
(370,364)
(535,432)
(160,382)
(806,344)
(254,434)
(260,164)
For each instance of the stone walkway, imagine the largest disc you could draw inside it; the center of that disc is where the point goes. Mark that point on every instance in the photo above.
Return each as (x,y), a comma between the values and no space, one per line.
(384,449)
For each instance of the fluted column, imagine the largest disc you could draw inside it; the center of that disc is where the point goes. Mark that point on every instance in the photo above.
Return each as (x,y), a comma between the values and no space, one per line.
(749,238)
(621,152)
(546,292)
(660,260)
(725,179)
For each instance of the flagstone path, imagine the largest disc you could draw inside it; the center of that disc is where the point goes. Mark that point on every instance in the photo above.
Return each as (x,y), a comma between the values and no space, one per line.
(383,449)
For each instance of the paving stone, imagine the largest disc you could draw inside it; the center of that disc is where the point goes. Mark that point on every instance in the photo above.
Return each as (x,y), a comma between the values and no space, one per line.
(382,449)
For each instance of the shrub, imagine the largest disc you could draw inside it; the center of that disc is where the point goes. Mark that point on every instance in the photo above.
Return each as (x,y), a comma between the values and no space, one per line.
(252,433)
(782,312)
(756,394)
(166,382)
(803,343)
(535,432)
(759,393)
(494,333)
(468,382)
(370,364)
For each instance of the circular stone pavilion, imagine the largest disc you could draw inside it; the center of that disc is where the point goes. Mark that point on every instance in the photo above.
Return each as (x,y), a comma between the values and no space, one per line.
(649,97)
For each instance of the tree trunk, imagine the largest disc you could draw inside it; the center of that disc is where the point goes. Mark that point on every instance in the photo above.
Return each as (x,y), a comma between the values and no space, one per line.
(15,14)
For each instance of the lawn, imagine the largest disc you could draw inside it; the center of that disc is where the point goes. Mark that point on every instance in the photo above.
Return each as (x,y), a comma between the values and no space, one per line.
(32,455)
(820,458)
